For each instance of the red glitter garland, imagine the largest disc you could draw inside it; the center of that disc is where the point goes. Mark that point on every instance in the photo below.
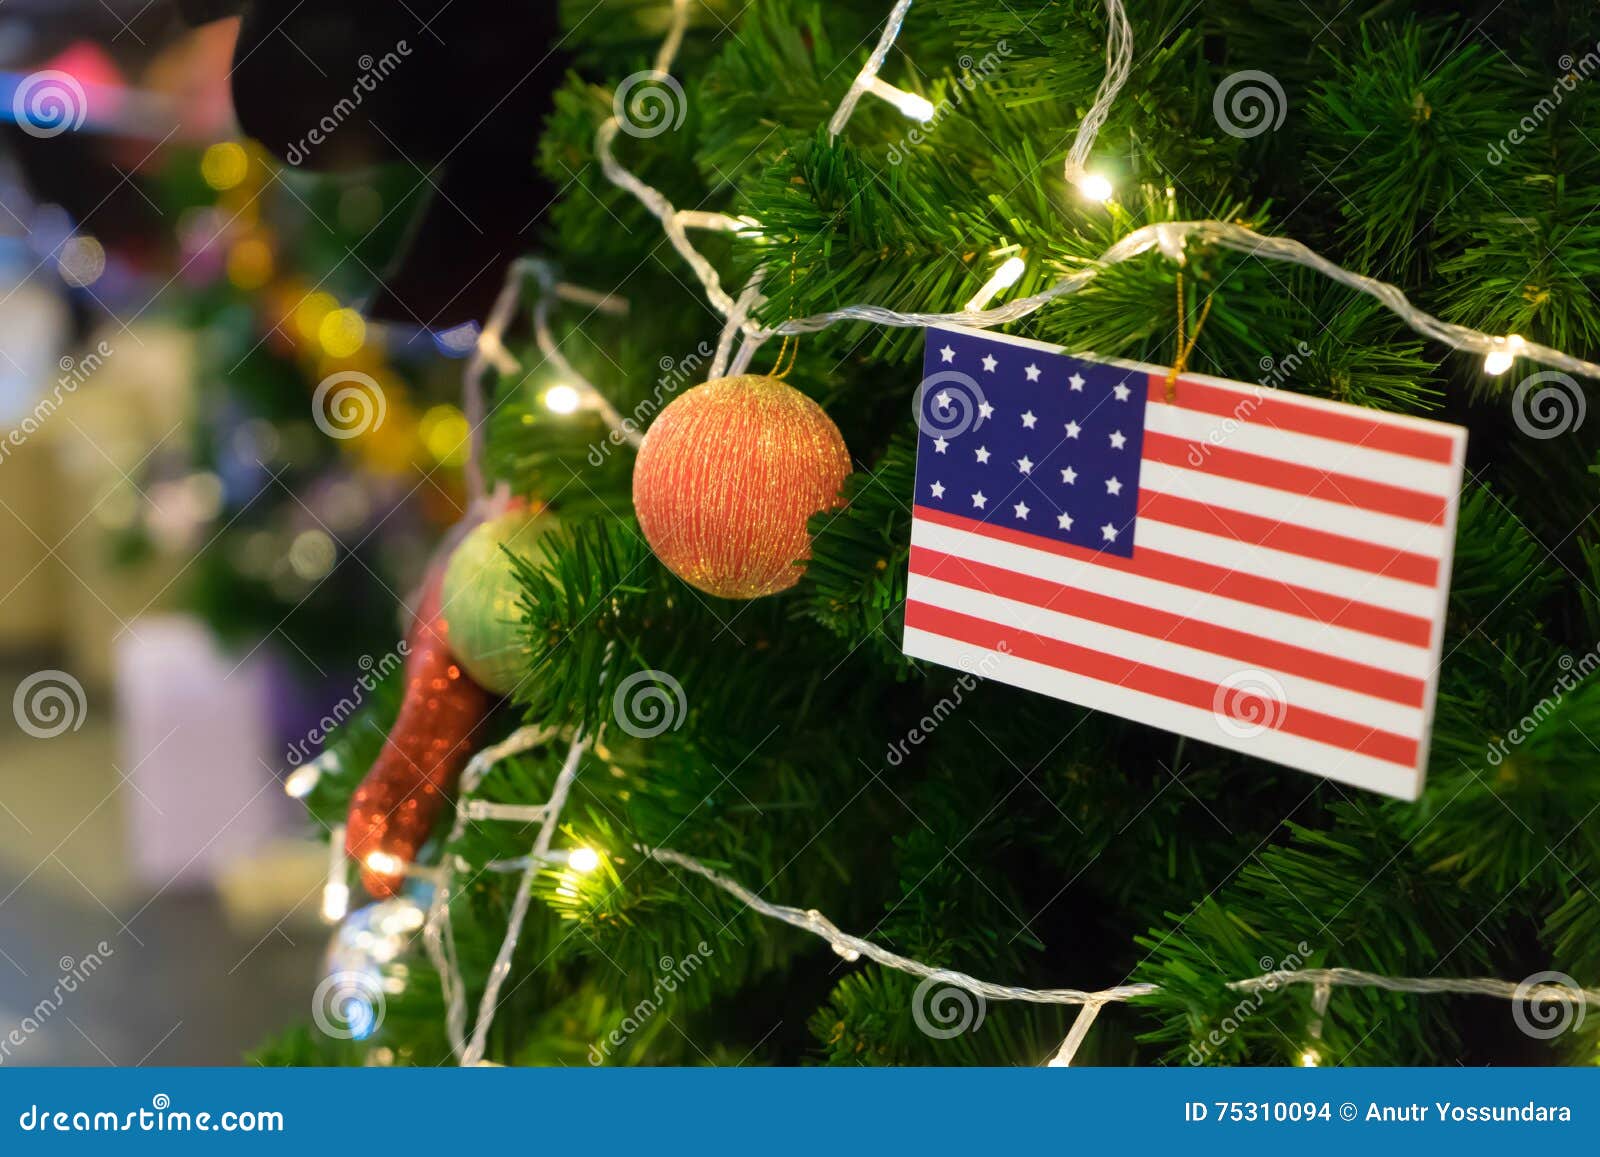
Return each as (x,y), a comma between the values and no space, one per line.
(396,805)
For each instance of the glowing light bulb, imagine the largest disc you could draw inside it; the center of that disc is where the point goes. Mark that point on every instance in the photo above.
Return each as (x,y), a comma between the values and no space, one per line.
(583,860)
(916,107)
(406,918)
(335,901)
(1095,187)
(1499,359)
(301,780)
(1309,1059)
(561,399)
(383,864)
(1009,273)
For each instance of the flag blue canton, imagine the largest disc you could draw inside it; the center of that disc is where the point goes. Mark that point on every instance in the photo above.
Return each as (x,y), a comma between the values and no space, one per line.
(1031,440)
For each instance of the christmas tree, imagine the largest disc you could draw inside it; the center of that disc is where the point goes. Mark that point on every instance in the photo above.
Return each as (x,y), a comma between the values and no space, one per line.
(722,827)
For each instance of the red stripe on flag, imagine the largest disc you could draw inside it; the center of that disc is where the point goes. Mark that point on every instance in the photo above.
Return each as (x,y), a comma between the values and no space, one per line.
(1164,684)
(1272,408)
(1293,478)
(1319,666)
(1200,576)
(1318,544)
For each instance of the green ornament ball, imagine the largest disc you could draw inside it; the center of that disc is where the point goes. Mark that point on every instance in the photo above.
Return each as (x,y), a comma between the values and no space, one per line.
(481,594)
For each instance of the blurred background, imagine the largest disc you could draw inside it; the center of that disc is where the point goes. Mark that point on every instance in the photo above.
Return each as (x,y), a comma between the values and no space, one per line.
(196,560)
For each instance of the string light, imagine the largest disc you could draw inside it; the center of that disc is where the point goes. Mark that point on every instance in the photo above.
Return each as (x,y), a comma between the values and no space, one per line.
(336,891)
(561,399)
(1096,187)
(384,864)
(1309,1059)
(1499,359)
(1009,273)
(1169,236)
(867,79)
(490,351)
(583,860)
(1077,1034)
(438,936)
(918,108)
(302,781)
(1119,66)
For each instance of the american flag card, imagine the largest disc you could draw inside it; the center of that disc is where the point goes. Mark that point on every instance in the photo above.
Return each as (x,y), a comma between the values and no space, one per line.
(1242,565)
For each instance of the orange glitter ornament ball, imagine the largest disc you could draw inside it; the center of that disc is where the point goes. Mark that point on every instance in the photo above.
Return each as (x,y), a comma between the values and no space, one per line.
(726,478)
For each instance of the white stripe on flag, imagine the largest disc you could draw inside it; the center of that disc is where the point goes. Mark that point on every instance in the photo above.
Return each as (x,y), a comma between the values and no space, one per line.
(1293,510)
(1327,454)
(1402,658)
(1351,706)
(1306,754)
(1245,558)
